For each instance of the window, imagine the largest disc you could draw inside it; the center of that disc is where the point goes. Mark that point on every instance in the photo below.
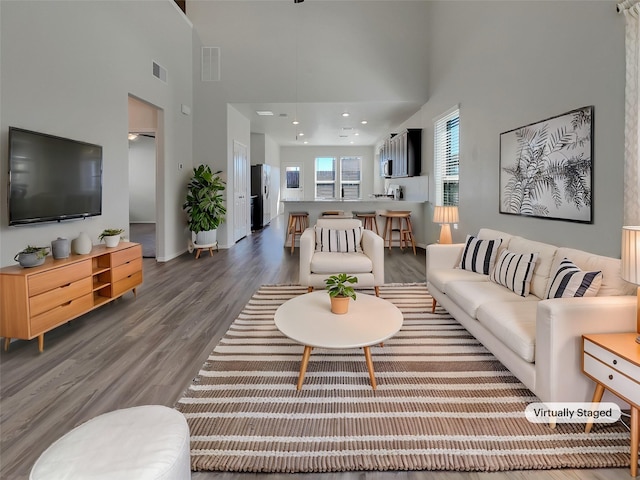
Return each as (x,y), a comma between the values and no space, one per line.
(446,157)
(325,177)
(293,177)
(348,177)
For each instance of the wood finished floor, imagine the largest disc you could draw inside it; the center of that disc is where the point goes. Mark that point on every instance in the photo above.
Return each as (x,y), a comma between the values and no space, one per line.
(147,350)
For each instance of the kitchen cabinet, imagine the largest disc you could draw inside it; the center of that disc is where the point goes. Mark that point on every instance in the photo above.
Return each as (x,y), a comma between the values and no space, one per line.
(404,151)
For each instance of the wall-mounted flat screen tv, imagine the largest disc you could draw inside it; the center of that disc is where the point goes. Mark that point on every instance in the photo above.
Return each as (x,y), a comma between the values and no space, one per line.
(52,178)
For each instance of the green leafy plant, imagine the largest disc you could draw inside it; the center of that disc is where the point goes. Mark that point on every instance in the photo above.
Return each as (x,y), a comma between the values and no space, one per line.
(205,204)
(40,252)
(110,232)
(337,286)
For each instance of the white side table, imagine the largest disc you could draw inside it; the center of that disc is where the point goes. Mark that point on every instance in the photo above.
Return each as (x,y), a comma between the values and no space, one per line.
(612,360)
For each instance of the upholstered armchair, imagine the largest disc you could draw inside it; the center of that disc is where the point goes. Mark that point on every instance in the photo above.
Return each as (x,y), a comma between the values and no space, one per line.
(341,246)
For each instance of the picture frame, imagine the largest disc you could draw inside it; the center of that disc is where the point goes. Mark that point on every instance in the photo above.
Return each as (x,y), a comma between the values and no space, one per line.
(546,168)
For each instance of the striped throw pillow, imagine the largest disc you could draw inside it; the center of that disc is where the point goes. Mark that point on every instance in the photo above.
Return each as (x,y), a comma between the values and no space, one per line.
(479,255)
(514,271)
(570,281)
(345,241)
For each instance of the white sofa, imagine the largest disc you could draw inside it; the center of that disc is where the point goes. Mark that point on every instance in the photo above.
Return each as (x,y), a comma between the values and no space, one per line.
(538,340)
(316,266)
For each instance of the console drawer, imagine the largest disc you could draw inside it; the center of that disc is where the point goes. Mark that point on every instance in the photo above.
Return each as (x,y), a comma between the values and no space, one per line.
(59,296)
(126,269)
(126,255)
(61,314)
(126,284)
(57,277)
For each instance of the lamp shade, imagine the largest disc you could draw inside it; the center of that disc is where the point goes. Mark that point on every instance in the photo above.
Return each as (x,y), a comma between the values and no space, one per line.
(631,254)
(445,214)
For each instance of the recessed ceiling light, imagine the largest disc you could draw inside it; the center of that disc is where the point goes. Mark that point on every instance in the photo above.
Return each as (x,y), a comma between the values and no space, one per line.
(296,122)
(265,113)
(301,134)
(351,142)
(133,136)
(345,114)
(363,122)
(356,134)
(305,142)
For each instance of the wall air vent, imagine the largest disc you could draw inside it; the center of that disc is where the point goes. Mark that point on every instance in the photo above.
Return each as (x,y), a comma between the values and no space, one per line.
(159,72)
(210,69)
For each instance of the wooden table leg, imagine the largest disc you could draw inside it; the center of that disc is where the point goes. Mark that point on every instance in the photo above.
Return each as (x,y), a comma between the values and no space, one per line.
(303,366)
(597,396)
(41,342)
(635,437)
(7,341)
(372,377)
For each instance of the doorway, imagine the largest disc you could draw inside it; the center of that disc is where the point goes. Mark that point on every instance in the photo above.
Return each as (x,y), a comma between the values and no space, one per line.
(144,121)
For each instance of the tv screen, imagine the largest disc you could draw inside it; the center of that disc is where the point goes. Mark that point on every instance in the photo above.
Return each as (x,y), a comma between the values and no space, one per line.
(52,178)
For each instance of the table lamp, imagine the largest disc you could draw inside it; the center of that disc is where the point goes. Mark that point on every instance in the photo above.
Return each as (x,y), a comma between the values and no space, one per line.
(445,215)
(631,264)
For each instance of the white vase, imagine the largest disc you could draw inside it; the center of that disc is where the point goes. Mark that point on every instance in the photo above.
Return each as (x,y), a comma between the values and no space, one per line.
(82,245)
(207,238)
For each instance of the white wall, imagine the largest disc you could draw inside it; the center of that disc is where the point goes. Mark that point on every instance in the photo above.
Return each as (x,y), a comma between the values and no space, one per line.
(509,64)
(306,156)
(68,69)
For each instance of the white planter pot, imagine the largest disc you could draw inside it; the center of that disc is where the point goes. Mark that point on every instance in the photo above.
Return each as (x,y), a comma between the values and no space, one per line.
(111,240)
(207,238)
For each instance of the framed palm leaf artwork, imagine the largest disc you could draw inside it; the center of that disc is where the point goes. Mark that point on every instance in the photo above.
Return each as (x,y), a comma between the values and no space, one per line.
(546,168)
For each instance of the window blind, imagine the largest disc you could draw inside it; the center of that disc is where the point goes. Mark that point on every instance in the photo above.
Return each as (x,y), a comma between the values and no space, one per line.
(447,157)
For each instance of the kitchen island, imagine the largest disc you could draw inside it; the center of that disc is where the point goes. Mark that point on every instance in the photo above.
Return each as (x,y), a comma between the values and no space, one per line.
(315,208)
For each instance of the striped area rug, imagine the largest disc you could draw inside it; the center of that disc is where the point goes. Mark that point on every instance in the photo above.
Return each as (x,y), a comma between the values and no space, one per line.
(443,403)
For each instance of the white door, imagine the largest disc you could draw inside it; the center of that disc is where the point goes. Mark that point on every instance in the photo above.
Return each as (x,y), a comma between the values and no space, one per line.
(292,182)
(240,191)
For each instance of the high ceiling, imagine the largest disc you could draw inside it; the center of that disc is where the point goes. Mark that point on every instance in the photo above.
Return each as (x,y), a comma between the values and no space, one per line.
(315,60)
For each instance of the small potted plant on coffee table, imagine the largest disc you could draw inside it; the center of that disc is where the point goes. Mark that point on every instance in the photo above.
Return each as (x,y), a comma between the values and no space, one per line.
(340,292)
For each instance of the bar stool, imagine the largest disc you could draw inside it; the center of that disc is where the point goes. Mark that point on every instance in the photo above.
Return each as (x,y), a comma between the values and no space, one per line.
(404,228)
(368,220)
(298,221)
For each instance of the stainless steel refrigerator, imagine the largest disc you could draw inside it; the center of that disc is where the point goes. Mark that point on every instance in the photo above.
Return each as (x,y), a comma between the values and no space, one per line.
(261,188)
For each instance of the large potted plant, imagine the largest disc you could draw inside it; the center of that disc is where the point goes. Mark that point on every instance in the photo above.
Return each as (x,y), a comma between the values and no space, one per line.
(340,292)
(205,204)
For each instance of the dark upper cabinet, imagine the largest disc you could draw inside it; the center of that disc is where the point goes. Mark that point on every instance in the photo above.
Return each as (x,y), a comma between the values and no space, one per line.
(404,152)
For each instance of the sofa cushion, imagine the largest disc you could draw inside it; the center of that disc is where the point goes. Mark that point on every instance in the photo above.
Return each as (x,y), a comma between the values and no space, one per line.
(514,271)
(513,323)
(439,278)
(569,281)
(542,271)
(612,282)
(331,240)
(334,262)
(470,295)
(479,255)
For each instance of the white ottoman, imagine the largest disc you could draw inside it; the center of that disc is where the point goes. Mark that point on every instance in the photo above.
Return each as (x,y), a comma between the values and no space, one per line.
(140,443)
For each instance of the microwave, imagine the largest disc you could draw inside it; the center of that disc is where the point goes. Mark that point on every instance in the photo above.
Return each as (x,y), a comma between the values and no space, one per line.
(387,167)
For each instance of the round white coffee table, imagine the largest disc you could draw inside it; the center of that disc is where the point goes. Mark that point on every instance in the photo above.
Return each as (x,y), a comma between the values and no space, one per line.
(307,319)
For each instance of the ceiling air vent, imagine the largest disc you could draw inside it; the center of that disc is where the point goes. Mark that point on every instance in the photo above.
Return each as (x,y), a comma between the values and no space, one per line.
(210,64)
(159,72)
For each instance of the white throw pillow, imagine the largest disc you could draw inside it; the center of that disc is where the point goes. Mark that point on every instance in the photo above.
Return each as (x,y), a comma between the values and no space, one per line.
(569,281)
(514,271)
(479,255)
(329,240)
